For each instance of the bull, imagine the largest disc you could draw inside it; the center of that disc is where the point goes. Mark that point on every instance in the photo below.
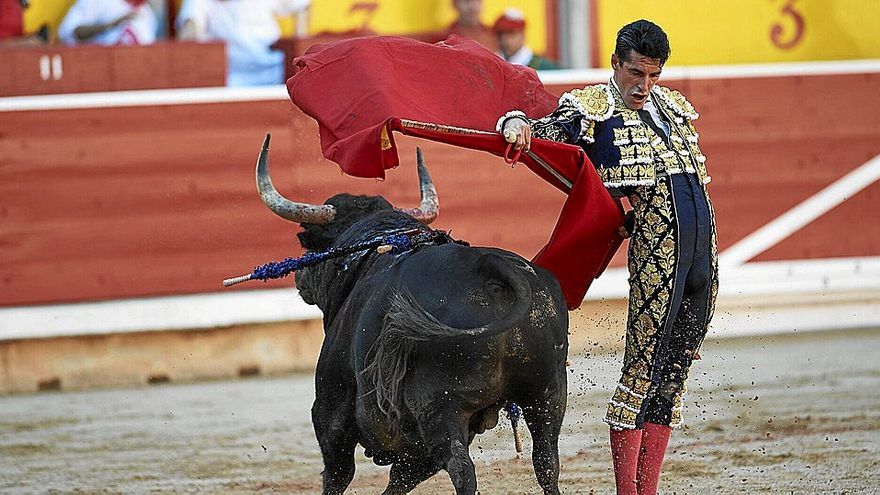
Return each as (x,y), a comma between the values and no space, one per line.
(423,348)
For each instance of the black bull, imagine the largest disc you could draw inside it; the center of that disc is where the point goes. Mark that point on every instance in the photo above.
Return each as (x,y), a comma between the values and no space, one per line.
(422,349)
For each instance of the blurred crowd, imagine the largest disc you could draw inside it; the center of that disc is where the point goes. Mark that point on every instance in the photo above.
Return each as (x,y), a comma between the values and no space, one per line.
(249,28)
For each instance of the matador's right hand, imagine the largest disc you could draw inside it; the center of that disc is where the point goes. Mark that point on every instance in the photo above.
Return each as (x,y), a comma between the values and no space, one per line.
(626,229)
(518,132)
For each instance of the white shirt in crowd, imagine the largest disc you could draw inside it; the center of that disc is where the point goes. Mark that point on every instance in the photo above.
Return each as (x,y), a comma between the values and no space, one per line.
(140,30)
(248,27)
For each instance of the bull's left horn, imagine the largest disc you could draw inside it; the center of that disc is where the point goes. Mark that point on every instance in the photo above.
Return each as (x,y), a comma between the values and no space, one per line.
(283,207)
(430,207)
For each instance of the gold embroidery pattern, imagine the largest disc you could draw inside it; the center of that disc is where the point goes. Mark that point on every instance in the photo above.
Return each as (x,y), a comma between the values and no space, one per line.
(626,401)
(651,260)
(621,136)
(595,101)
(630,117)
(588,128)
(644,153)
(693,139)
(639,135)
(569,111)
(637,155)
(677,103)
(627,154)
(684,139)
(625,175)
(662,159)
(713,291)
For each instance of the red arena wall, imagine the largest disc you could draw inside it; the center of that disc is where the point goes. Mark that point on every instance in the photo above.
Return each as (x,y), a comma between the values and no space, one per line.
(118,202)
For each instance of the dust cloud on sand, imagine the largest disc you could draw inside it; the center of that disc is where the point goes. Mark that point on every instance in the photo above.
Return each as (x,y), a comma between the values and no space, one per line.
(784,414)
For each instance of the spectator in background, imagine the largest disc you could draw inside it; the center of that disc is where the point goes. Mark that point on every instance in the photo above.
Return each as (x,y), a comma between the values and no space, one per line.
(249,28)
(12,25)
(10,19)
(510,29)
(109,22)
(468,24)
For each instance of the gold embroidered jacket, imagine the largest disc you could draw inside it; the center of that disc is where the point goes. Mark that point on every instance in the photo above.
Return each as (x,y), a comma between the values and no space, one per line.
(623,148)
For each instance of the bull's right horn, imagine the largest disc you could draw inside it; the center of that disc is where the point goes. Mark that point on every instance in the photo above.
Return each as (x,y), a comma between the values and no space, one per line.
(283,207)
(430,206)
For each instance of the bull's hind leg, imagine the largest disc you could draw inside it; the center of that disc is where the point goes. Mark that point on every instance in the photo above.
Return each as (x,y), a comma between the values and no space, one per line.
(336,430)
(544,420)
(460,466)
(406,475)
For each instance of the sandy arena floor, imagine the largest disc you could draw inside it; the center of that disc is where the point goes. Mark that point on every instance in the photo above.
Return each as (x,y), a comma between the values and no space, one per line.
(785,414)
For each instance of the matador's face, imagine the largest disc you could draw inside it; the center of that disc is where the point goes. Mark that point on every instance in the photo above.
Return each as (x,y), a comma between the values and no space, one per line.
(635,76)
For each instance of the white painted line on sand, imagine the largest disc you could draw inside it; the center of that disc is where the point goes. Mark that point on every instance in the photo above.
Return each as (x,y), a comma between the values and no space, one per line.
(807,277)
(155,313)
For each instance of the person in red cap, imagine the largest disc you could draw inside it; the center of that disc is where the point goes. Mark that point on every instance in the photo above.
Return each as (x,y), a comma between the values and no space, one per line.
(510,29)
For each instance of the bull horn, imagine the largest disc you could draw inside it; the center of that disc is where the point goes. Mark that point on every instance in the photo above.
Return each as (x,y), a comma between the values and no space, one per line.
(430,207)
(283,207)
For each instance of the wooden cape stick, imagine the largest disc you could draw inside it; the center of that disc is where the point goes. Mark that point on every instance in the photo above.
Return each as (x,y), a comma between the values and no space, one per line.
(414,124)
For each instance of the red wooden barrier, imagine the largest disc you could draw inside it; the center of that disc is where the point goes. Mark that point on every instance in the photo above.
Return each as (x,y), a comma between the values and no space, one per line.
(156,200)
(40,70)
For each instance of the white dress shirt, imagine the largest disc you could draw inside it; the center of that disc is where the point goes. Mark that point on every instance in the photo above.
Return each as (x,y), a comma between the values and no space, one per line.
(248,27)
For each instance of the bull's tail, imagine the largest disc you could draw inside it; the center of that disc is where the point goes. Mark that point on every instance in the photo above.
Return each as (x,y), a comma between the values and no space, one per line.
(408,323)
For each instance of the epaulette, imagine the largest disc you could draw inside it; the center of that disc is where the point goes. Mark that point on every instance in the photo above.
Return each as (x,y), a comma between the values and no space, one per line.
(677,103)
(595,102)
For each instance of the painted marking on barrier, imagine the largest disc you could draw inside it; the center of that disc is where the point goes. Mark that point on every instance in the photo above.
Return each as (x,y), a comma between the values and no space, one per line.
(796,218)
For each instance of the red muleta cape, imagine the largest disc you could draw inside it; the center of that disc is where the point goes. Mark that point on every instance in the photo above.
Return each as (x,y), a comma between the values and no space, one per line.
(361,90)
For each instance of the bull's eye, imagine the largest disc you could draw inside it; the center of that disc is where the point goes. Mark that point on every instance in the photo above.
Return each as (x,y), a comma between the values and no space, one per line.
(495,287)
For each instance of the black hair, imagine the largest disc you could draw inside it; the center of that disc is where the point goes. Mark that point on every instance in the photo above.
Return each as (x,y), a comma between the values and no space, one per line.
(646,38)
